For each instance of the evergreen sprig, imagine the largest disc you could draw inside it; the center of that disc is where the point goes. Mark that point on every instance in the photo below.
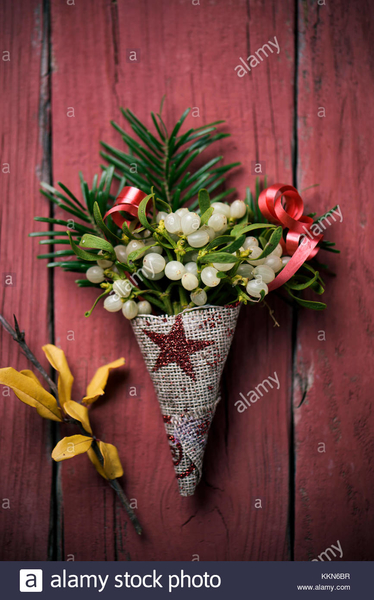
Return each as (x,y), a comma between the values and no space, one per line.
(166,161)
(98,194)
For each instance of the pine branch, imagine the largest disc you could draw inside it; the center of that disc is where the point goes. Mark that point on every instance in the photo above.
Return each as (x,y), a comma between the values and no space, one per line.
(81,218)
(162,160)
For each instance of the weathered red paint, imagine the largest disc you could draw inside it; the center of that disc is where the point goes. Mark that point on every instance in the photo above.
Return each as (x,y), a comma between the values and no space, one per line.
(334,488)
(189,52)
(25,471)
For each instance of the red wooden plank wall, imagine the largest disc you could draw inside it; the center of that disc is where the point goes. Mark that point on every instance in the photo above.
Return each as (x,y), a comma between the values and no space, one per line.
(271,453)
(334,488)
(26,471)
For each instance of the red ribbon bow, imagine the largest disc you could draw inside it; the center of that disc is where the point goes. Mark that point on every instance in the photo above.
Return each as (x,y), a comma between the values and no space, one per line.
(282,205)
(128,201)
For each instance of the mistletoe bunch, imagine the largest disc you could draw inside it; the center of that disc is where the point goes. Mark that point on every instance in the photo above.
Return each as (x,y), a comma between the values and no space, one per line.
(183,259)
(186,247)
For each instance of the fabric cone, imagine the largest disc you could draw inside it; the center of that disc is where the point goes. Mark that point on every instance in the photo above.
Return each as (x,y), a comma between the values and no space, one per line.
(185,355)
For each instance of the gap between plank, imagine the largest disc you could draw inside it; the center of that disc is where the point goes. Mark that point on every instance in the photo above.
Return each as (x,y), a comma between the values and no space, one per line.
(295,317)
(55,535)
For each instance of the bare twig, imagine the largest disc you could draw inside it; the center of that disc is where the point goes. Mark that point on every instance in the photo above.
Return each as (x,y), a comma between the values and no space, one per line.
(19,337)
(120,493)
(114,484)
(271,313)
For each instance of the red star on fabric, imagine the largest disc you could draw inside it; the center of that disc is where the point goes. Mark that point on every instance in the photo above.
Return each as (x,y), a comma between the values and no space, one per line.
(175,348)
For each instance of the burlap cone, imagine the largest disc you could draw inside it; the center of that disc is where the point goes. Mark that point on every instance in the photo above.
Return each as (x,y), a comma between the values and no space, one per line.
(185,356)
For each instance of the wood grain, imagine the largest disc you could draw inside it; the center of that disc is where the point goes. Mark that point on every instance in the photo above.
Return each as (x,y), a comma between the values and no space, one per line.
(26,466)
(179,57)
(189,53)
(82,80)
(334,483)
